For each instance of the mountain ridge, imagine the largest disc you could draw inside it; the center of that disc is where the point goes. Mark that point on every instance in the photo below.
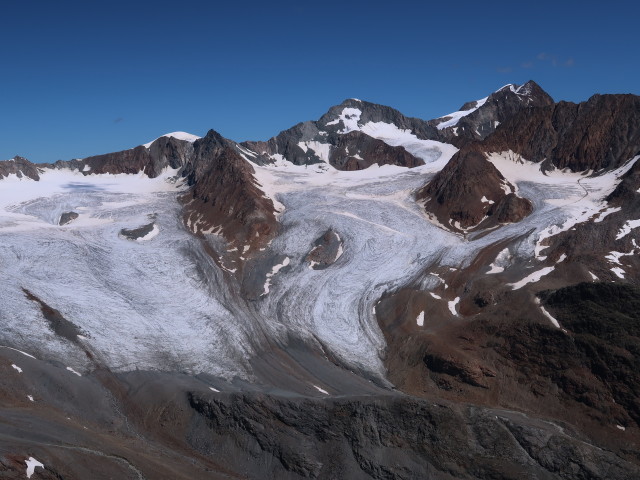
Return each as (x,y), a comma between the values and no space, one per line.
(386,299)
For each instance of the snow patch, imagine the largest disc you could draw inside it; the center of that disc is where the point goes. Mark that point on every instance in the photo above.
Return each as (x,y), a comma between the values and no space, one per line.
(605,213)
(349,118)
(321,390)
(420,319)
(32,463)
(15,367)
(30,397)
(620,427)
(246,152)
(432,152)
(274,270)
(614,257)
(19,351)
(267,182)
(453,118)
(627,227)
(322,150)
(620,273)
(152,234)
(503,259)
(214,389)
(340,249)
(531,278)
(453,304)
(73,371)
(177,135)
(547,314)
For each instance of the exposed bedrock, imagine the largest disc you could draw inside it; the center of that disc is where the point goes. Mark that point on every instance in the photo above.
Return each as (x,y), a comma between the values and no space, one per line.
(162,153)
(67,217)
(224,195)
(391,437)
(357,151)
(326,250)
(155,425)
(20,167)
(469,193)
(504,352)
(601,133)
(329,140)
(498,107)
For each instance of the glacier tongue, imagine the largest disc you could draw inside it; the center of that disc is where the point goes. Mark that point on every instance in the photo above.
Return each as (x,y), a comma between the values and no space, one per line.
(143,305)
(164,304)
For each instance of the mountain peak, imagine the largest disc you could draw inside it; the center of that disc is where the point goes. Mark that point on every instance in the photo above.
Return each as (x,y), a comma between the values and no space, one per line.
(188,137)
(477,119)
(528,89)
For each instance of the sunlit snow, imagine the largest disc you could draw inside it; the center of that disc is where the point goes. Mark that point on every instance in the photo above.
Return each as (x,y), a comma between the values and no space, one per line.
(32,463)
(321,390)
(174,301)
(453,304)
(178,136)
(627,227)
(452,119)
(532,277)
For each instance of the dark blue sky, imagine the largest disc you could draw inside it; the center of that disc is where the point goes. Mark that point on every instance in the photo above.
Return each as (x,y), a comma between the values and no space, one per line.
(83,78)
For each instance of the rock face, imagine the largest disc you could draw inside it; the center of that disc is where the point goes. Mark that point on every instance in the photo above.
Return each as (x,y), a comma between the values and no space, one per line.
(372,112)
(326,250)
(601,133)
(392,437)
(163,152)
(485,115)
(151,424)
(470,193)
(597,135)
(583,374)
(67,217)
(20,167)
(335,138)
(225,195)
(357,151)
(348,336)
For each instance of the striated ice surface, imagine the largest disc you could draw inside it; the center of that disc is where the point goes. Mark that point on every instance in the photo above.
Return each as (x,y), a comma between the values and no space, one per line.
(164,304)
(142,305)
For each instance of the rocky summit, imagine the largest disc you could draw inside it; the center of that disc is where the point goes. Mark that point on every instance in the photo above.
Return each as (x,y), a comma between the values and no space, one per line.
(366,295)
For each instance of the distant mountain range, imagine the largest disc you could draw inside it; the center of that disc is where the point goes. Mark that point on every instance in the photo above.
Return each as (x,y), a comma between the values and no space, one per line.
(367,295)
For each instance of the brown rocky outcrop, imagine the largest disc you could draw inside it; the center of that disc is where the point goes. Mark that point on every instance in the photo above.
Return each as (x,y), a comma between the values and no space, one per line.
(392,437)
(499,107)
(67,217)
(325,251)
(510,356)
(469,190)
(163,152)
(626,193)
(19,166)
(343,147)
(601,133)
(224,193)
(357,151)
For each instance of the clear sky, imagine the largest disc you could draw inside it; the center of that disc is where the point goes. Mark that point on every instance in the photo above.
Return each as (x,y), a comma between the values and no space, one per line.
(83,78)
